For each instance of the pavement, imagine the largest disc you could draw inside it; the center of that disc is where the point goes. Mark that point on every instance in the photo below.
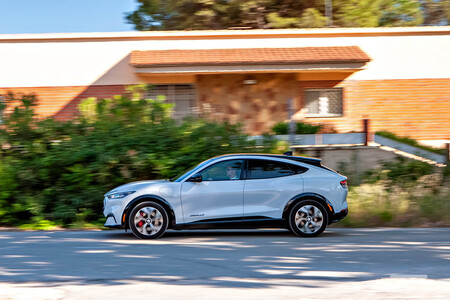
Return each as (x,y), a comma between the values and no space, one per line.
(377,263)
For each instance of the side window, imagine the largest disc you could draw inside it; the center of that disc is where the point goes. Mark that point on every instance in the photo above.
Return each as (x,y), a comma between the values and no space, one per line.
(226,170)
(259,169)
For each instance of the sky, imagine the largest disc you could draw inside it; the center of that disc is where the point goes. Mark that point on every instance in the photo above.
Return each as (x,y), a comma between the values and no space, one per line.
(56,16)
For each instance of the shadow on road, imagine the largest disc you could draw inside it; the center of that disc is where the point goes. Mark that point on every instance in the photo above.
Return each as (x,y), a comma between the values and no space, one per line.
(231,258)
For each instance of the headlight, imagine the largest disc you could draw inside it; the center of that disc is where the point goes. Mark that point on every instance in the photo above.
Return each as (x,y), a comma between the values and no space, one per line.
(119,195)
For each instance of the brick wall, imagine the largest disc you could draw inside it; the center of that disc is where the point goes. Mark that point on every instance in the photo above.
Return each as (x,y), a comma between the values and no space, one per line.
(62,102)
(418,108)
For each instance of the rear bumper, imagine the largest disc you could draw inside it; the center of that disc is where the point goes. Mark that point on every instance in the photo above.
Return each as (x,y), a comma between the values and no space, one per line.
(339,216)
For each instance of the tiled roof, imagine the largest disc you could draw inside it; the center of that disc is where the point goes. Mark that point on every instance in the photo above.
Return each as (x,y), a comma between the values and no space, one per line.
(249,56)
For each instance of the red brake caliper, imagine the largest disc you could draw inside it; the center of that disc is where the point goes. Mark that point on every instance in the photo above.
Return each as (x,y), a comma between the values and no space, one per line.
(140,223)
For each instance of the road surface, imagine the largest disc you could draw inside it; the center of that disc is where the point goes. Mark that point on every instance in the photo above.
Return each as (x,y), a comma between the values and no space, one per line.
(378,263)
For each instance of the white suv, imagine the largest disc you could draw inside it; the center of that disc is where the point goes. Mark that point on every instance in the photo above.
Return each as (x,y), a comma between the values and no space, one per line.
(233,191)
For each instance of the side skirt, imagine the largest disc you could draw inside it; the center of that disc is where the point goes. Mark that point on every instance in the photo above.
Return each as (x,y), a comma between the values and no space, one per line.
(250,223)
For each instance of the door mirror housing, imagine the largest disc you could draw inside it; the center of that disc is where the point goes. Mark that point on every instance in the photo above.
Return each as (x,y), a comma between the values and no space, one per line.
(196,178)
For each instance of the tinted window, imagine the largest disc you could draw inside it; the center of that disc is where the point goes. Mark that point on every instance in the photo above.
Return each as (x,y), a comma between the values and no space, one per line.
(259,169)
(225,170)
(298,169)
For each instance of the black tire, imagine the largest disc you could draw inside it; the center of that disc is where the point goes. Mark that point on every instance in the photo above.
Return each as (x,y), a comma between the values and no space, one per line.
(305,220)
(148,215)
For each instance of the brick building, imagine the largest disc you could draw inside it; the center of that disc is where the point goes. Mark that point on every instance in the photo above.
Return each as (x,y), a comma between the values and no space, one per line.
(399,78)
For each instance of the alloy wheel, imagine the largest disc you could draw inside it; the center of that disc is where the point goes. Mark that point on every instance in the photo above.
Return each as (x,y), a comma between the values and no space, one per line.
(148,221)
(309,219)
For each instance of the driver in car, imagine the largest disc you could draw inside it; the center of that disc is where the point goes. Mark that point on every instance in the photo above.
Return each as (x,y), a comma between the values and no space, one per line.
(232,172)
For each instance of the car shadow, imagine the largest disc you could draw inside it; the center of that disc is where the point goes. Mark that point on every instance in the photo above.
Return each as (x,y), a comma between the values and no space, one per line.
(227,233)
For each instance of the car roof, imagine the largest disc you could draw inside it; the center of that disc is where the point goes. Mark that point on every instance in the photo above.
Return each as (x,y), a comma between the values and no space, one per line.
(307,160)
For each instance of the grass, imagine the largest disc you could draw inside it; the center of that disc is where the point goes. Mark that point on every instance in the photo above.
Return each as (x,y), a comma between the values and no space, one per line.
(385,203)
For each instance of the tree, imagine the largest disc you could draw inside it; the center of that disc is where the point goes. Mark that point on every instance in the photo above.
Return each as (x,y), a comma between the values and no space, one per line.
(223,14)
(375,13)
(436,12)
(401,13)
(359,13)
(177,14)
(265,14)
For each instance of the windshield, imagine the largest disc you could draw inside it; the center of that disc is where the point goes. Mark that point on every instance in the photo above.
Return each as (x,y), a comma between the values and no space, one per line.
(191,170)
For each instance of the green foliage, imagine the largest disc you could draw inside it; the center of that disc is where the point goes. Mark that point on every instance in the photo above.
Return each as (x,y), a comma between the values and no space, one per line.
(436,12)
(263,14)
(401,13)
(446,172)
(59,171)
(312,18)
(385,200)
(360,13)
(409,141)
(39,224)
(179,14)
(367,13)
(400,171)
(300,128)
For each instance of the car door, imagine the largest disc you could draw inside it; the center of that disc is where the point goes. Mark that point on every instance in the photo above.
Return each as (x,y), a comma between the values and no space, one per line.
(269,186)
(218,197)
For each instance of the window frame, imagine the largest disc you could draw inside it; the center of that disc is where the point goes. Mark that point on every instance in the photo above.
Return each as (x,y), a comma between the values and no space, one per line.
(327,115)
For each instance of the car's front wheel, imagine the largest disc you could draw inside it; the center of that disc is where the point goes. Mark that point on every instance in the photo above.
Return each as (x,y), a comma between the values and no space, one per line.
(308,218)
(148,220)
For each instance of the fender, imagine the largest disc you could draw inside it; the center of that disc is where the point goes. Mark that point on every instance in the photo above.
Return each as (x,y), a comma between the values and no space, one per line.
(314,196)
(143,198)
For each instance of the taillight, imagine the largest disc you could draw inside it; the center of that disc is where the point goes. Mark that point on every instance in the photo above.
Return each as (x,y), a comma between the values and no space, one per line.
(344,184)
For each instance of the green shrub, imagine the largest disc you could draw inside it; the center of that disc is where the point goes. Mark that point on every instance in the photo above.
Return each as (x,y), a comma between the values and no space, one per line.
(401,170)
(59,172)
(301,128)
(400,193)
(384,203)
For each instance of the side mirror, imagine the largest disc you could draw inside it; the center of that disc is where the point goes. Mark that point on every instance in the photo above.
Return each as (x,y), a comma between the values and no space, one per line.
(196,178)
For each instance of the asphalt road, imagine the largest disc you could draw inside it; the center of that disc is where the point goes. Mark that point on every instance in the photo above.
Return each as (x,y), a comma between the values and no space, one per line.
(351,263)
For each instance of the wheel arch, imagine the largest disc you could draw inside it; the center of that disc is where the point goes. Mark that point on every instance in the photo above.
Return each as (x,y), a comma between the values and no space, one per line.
(143,198)
(309,196)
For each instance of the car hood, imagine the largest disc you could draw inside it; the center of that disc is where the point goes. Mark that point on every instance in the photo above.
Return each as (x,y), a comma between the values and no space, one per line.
(137,185)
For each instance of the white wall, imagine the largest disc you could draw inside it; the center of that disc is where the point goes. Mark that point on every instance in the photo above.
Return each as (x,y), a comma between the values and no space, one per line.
(82,63)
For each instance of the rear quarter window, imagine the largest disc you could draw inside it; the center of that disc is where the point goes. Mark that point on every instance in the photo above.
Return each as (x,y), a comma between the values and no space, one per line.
(298,169)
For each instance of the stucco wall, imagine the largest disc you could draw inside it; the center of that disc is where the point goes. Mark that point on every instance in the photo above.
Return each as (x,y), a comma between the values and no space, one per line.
(41,60)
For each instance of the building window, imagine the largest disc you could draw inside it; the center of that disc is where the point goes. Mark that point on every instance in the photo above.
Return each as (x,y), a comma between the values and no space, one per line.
(323,102)
(182,95)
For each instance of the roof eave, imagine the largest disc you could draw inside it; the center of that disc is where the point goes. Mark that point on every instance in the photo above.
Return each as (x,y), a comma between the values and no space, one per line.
(214,69)
(244,63)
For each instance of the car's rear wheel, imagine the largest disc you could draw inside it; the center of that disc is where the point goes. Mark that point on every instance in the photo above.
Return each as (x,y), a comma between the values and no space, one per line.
(308,218)
(148,220)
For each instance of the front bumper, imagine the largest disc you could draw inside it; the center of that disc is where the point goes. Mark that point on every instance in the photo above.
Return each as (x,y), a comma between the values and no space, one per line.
(112,210)
(339,216)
